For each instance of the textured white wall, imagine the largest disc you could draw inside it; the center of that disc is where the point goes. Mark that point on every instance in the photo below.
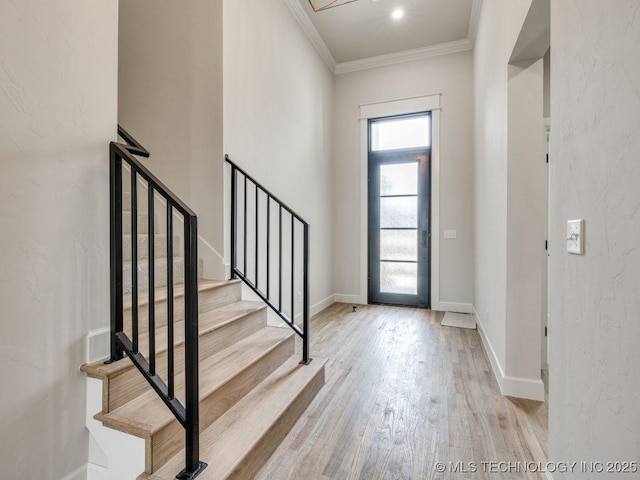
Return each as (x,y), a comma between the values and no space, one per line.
(278,97)
(170,99)
(595,299)
(451,75)
(58,84)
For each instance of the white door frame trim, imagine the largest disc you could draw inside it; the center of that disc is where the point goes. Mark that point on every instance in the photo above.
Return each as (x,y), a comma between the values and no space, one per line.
(402,106)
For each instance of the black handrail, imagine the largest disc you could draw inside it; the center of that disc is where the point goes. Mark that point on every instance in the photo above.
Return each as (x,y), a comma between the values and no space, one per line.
(132,145)
(121,344)
(263,242)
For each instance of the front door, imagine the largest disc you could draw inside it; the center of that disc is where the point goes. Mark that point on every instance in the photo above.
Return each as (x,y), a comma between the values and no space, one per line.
(399,210)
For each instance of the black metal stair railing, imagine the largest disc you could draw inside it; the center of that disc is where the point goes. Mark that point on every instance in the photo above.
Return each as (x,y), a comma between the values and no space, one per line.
(271,239)
(121,344)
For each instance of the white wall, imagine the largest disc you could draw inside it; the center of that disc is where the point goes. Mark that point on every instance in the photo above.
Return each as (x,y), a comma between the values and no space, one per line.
(170,99)
(595,298)
(58,84)
(526,229)
(451,75)
(509,200)
(278,96)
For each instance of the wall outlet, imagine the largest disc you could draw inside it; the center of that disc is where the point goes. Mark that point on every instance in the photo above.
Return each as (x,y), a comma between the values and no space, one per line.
(575,237)
(450,234)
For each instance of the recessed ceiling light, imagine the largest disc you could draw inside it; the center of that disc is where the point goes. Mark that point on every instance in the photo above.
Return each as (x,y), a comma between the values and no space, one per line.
(398,13)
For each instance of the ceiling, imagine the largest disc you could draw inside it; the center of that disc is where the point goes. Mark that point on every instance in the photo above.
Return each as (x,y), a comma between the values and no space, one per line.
(365,28)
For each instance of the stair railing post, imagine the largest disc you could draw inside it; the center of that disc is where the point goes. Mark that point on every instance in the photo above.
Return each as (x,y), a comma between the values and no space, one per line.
(193,466)
(305,289)
(234,219)
(115,252)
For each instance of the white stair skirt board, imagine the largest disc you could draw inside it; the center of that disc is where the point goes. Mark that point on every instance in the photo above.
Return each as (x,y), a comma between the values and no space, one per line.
(460,320)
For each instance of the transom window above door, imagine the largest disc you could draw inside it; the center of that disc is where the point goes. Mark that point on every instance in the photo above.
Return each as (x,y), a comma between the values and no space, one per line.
(401,133)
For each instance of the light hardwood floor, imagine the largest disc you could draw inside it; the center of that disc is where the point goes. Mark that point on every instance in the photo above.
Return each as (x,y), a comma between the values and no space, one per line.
(402,393)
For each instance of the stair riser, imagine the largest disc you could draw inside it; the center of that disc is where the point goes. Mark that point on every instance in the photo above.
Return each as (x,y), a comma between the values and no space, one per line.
(143,223)
(207,301)
(160,247)
(255,459)
(210,342)
(167,442)
(126,201)
(128,384)
(229,334)
(160,274)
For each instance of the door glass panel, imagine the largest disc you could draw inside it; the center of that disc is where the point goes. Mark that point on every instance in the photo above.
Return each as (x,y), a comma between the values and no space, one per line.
(399,179)
(398,133)
(399,278)
(399,245)
(399,212)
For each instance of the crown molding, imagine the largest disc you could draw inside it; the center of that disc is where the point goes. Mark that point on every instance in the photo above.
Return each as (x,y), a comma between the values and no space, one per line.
(474,20)
(404,56)
(311,31)
(382,60)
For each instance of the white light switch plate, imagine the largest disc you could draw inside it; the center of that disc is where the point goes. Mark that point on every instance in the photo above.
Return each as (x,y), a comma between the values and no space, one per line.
(575,237)
(450,234)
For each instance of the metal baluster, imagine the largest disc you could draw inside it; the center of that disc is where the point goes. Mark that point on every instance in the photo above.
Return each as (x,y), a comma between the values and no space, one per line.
(293,255)
(170,334)
(234,220)
(134,259)
(152,271)
(268,242)
(257,270)
(244,265)
(280,258)
(305,291)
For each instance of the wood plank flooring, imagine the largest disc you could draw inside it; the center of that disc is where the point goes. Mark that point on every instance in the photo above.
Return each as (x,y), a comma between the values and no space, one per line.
(402,393)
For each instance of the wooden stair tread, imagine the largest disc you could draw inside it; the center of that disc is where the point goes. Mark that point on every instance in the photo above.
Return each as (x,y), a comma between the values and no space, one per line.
(230,440)
(207,322)
(147,414)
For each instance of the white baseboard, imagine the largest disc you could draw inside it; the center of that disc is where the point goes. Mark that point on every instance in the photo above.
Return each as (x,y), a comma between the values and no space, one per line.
(214,264)
(317,307)
(496,368)
(78,474)
(322,304)
(455,307)
(98,344)
(509,386)
(96,472)
(353,299)
(523,388)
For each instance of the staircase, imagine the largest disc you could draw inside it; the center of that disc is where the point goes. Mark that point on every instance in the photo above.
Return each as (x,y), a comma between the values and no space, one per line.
(252,387)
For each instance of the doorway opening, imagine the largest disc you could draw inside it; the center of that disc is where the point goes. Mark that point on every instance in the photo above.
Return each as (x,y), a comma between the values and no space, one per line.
(399,210)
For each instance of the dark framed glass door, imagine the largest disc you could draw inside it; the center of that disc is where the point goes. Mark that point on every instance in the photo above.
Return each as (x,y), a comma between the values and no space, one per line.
(399,211)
